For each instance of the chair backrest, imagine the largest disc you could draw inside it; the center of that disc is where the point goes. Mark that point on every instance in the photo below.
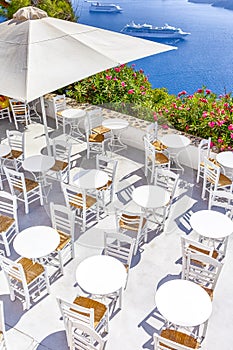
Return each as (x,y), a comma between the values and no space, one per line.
(13,270)
(202,269)
(16,181)
(190,246)
(74,196)
(128,221)
(149,149)
(168,180)
(94,117)
(19,108)
(161,343)
(16,140)
(85,338)
(59,103)
(152,131)
(8,206)
(109,165)
(222,199)
(62,150)
(119,246)
(63,219)
(203,150)
(72,312)
(211,171)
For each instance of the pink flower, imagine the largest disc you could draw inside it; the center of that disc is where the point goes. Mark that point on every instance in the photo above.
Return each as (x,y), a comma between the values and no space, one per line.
(190,97)
(122,65)
(115,78)
(143,92)
(211,144)
(164,126)
(174,105)
(117,69)
(208,91)
(222,111)
(131,91)
(204,114)
(187,127)
(155,116)
(199,91)
(204,100)
(211,124)
(182,93)
(220,140)
(231,135)
(230,127)
(133,65)
(134,75)
(123,83)
(108,77)
(142,87)
(220,122)
(166,110)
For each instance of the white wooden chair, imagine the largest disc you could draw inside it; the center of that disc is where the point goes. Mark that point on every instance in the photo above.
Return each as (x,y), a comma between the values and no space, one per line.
(5,113)
(175,340)
(86,311)
(203,270)
(26,190)
(127,221)
(16,141)
(20,111)
(95,141)
(222,199)
(83,337)
(63,220)
(213,178)
(59,105)
(95,119)
(3,338)
(62,155)
(154,159)
(121,247)
(152,132)
(25,278)
(203,151)
(85,206)
(8,220)
(108,165)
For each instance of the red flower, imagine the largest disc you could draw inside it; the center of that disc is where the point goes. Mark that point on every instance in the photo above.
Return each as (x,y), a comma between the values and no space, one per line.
(208,91)
(199,91)
(123,83)
(182,93)
(211,124)
(108,77)
(131,91)
(117,69)
(230,127)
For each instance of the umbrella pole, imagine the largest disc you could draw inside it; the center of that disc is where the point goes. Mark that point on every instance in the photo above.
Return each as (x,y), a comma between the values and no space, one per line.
(45,125)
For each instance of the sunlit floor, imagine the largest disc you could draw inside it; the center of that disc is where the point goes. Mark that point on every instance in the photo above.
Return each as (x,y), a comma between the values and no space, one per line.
(157,261)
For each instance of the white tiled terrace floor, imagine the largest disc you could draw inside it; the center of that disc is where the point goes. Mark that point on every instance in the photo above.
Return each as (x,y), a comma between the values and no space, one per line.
(158,260)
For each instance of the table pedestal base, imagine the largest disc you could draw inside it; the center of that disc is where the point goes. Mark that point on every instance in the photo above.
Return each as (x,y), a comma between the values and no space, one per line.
(115,144)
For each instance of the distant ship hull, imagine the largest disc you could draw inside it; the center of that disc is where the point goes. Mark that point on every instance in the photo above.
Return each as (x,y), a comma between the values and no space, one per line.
(105,8)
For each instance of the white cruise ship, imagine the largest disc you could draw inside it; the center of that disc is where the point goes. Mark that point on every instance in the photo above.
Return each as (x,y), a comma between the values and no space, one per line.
(148,31)
(104,8)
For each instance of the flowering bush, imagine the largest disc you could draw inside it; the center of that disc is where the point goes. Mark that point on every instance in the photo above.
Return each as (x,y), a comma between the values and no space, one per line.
(202,114)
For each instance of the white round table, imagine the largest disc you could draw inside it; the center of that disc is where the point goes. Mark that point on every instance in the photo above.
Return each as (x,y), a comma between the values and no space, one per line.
(90,179)
(36,242)
(38,163)
(101,275)
(211,224)
(175,143)
(116,125)
(150,196)
(4,150)
(183,303)
(226,160)
(72,116)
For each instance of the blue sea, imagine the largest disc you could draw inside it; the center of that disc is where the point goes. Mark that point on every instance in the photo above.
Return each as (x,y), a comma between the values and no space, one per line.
(203,58)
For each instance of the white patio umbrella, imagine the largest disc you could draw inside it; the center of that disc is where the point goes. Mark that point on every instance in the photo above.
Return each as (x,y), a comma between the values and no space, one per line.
(39,54)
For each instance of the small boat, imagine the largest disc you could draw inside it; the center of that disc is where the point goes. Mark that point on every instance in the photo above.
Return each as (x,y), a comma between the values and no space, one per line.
(104,8)
(149,31)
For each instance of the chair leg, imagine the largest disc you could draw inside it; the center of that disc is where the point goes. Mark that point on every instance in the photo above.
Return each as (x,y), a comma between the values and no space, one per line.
(6,245)
(27,300)
(61,262)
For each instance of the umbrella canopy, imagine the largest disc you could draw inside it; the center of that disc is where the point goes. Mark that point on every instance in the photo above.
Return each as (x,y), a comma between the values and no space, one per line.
(39,54)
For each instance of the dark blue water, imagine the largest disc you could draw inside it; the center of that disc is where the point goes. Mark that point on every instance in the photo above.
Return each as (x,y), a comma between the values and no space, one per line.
(204,58)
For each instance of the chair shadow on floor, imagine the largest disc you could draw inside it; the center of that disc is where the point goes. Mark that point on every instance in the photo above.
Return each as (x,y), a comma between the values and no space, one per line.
(55,340)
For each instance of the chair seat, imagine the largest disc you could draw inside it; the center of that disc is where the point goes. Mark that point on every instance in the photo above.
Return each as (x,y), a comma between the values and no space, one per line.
(30,185)
(59,165)
(96,138)
(89,201)
(15,154)
(59,113)
(128,226)
(32,270)
(209,291)
(181,338)
(161,158)
(105,186)
(159,146)
(99,308)
(64,240)
(100,129)
(5,222)
(224,180)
